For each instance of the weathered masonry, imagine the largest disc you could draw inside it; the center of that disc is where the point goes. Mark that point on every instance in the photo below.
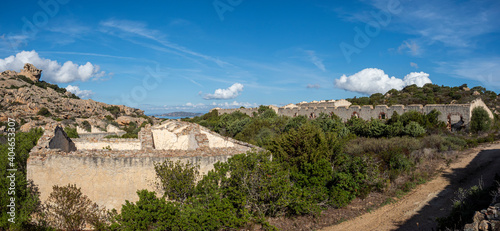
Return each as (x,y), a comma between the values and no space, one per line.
(450,113)
(110,171)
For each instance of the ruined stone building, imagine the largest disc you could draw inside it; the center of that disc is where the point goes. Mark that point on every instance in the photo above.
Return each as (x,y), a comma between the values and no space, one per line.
(110,171)
(450,113)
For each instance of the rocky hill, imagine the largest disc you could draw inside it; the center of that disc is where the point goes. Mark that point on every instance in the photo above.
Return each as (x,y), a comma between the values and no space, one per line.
(31,101)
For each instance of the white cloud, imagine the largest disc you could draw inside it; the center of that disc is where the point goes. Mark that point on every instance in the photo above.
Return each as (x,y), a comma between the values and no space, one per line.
(411,47)
(373,80)
(80,93)
(418,78)
(229,93)
(315,60)
(414,65)
(53,71)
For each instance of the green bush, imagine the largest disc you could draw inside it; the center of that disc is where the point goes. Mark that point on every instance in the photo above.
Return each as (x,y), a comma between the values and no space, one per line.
(86,126)
(44,112)
(67,208)
(414,129)
(353,176)
(149,213)
(114,110)
(177,180)
(26,193)
(109,118)
(71,132)
(480,121)
(25,79)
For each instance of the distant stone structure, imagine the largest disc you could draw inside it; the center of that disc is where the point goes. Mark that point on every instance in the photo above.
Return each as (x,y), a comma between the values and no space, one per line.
(450,113)
(110,171)
(96,132)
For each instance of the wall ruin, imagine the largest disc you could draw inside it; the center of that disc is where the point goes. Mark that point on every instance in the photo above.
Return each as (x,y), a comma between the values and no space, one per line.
(367,112)
(112,175)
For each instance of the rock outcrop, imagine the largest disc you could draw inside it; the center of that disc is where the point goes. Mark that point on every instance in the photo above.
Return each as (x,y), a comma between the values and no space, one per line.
(21,99)
(31,72)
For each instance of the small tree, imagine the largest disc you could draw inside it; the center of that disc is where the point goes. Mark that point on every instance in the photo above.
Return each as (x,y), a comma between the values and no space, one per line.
(480,121)
(177,180)
(67,208)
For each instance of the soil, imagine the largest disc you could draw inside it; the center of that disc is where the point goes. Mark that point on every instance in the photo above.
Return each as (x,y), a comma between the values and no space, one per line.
(418,209)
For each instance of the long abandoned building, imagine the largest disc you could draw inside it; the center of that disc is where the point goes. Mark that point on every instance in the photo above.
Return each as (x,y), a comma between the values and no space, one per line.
(450,113)
(111,170)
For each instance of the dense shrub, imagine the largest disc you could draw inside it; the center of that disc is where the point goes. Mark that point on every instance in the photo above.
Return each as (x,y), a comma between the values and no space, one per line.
(86,126)
(67,208)
(149,213)
(71,132)
(44,112)
(177,179)
(26,193)
(114,110)
(480,121)
(414,129)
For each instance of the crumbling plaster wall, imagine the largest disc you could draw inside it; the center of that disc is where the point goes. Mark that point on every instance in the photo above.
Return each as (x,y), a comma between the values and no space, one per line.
(106,177)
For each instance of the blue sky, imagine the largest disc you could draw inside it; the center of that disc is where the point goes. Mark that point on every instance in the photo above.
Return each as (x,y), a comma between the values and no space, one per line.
(194,55)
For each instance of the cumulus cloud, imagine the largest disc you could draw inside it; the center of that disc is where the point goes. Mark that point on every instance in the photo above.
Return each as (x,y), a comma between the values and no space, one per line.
(373,80)
(53,71)
(418,78)
(228,93)
(314,86)
(80,93)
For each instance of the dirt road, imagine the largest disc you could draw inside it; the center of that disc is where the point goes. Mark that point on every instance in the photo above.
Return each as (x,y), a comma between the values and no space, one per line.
(418,209)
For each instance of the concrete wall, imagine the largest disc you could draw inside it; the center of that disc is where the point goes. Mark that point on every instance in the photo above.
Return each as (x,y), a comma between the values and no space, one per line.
(106,180)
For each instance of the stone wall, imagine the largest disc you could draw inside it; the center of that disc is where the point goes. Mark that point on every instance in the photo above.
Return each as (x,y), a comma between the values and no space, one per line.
(112,175)
(107,177)
(449,112)
(96,132)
